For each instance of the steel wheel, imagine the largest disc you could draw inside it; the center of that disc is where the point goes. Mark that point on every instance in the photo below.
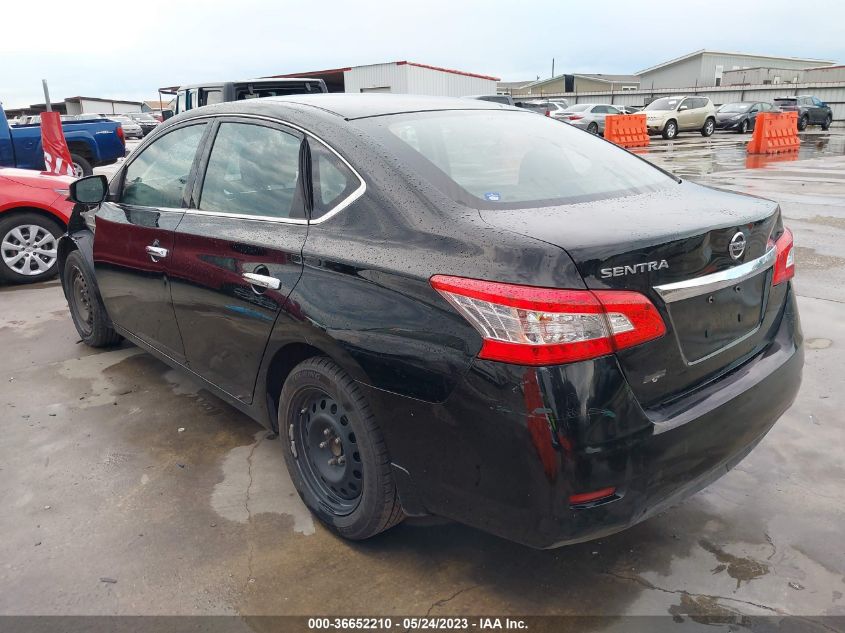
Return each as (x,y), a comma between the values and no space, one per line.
(80,295)
(332,467)
(29,249)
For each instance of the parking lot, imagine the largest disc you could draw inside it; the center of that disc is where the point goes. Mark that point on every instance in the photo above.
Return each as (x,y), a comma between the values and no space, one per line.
(130,490)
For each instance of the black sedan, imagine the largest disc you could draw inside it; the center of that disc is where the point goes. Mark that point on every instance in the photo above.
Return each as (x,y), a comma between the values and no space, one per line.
(447,307)
(742,115)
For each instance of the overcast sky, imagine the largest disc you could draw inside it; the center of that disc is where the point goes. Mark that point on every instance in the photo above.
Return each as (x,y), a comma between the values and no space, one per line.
(128,49)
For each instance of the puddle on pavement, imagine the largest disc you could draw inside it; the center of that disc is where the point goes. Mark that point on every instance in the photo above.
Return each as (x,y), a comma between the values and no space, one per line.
(818,343)
(692,158)
(737,567)
(256,481)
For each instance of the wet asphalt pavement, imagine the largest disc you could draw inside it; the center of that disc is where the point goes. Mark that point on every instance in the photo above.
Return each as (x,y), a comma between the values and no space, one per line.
(115,468)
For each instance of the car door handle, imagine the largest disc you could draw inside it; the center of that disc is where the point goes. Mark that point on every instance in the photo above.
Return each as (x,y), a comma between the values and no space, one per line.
(263,281)
(156,252)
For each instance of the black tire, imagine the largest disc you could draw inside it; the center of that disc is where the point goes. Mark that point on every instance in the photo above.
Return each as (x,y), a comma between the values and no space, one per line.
(321,403)
(803,122)
(593,128)
(23,271)
(709,127)
(827,123)
(87,311)
(743,127)
(81,164)
(670,130)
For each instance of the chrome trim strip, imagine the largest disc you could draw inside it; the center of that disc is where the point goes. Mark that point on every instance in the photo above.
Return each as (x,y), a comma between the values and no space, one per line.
(681,290)
(352,197)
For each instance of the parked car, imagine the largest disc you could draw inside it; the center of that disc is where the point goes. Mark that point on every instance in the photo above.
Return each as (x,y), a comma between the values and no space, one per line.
(811,110)
(146,120)
(502,99)
(34,211)
(670,115)
(456,309)
(197,95)
(741,116)
(91,143)
(588,116)
(536,106)
(131,128)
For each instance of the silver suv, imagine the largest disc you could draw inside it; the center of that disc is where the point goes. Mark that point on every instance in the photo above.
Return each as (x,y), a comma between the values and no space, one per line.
(670,115)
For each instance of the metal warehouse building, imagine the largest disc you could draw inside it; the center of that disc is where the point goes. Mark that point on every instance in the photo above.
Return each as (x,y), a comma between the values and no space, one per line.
(403,77)
(706,67)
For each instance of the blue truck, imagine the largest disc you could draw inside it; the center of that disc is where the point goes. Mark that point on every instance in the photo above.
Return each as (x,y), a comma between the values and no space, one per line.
(91,143)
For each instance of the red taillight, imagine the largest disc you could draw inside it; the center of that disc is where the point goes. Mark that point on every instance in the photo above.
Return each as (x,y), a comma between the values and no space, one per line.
(785,262)
(587,497)
(120,134)
(548,113)
(575,117)
(526,325)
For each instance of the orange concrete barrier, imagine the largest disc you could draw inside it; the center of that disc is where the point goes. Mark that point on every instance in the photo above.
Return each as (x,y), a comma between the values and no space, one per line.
(775,132)
(627,130)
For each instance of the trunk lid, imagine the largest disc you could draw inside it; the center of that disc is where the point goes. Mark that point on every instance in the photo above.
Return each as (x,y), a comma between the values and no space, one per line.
(652,242)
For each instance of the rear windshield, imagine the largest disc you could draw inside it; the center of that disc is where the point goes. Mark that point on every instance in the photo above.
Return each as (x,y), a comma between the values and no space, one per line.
(665,103)
(507,159)
(580,107)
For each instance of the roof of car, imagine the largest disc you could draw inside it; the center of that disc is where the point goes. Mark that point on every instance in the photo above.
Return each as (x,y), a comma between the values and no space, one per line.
(359,106)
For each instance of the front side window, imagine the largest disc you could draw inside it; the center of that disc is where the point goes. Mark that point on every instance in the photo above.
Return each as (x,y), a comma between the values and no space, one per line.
(157,177)
(253,170)
(506,159)
(333,182)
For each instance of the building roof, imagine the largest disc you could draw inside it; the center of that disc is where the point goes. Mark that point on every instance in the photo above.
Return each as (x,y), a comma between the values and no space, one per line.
(614,79)
(515,84)
(703,51)
(601,77)
(400,63)
(102,100)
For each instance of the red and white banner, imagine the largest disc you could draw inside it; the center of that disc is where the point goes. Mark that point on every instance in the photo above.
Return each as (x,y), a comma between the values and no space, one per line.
(56,154)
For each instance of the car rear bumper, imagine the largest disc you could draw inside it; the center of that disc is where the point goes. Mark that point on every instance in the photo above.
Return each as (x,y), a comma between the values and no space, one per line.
(508,448)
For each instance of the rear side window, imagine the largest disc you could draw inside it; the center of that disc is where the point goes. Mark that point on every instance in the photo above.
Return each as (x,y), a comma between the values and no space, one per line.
(253,170)
(210,97)
(508,159)
(332,181)
(157,177)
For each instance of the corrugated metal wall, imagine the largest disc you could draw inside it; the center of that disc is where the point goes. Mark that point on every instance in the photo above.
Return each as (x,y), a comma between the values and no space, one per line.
(417,80)
(427,81)
(831,92)
(363,78)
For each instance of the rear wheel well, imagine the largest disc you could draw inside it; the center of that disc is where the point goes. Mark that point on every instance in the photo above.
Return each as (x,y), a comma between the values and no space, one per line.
(45,214)
(282,364)
(80,148)
(66,247)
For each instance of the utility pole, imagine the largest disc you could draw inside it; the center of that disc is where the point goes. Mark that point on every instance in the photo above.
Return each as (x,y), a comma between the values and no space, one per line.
(46,95)
(553,66)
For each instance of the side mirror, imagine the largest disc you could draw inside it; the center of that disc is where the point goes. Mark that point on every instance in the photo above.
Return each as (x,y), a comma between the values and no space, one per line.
(89,190)
(682,108)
